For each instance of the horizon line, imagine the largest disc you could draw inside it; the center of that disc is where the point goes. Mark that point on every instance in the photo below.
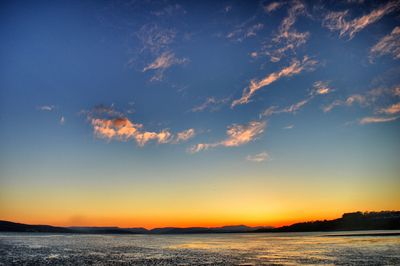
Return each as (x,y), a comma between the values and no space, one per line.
(206,227)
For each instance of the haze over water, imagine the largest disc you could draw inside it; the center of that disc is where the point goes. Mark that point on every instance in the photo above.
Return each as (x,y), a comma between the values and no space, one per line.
(203,249)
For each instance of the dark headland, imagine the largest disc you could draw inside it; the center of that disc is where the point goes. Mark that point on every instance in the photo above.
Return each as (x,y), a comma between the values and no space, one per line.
(356,221)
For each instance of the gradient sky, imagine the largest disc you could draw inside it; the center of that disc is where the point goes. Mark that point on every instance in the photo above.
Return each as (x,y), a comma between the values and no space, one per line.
(198,113)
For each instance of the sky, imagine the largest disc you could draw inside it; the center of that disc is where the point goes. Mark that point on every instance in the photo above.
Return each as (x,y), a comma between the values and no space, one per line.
(198,113)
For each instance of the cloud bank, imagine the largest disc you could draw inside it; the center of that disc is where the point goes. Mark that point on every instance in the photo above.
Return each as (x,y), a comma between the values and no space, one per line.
(107,123)
(123,129)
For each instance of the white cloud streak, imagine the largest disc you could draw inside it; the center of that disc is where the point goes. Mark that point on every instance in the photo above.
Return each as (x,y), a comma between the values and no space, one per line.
(393,109)
(273,6)
(241,32)
(296,67)
(210,103)
(258,158)
(290,109)
(163,62)
(320,88)
(171,10)
(376,119)
(389,44)
(48,108)
(155,38)
(287,38)
(336,21)
(355,98)
(237,135)
(367,99)
(185,135)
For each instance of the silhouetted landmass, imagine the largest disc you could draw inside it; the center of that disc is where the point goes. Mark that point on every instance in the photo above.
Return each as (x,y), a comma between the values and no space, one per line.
(6,226)
(108,230)
(385,220)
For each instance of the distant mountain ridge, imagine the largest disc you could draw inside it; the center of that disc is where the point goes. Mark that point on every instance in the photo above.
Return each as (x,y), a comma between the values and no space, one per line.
(107,230)
(6,226)
(385,220)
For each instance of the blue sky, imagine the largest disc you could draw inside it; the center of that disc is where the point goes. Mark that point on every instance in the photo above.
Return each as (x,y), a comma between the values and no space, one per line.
(294,97)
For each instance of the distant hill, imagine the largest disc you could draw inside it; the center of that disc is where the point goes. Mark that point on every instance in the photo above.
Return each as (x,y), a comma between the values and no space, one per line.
(108,230)
(385,220)
(6,226)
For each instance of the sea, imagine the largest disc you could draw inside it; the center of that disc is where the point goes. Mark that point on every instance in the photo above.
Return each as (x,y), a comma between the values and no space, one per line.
(317,248)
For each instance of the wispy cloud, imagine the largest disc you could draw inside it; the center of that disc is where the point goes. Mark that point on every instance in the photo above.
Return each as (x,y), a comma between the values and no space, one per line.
(242,134)
(295,107)
(237,135)
(48,108)
(102,110)
(155,38)
(185,135)
(170,10)
(163,62)
(289,127)
(227,8)
(258,158)
(355,2)
(321,87)
(156,43)
(211,103)
(396,91)
(296,67)
(243,32)
(367,99)
(273,6)
(290,109)
(393,109)
(329,107)
(355,98)
(247,29)
(285,30)
(287,38)
(336,21)
(389,44)
(372,99)
(270,111)
(376,119)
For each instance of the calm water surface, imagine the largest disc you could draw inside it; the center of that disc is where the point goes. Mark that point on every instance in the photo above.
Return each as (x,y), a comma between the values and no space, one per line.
(204,249)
